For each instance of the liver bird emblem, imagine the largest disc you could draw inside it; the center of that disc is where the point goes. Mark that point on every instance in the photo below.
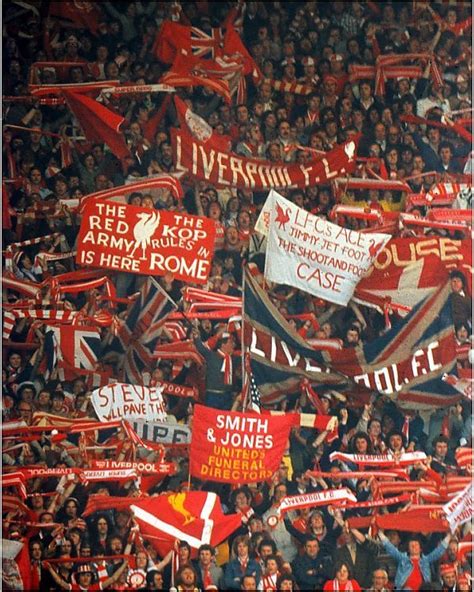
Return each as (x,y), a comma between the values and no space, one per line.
(144,230)
(373,249)
(282,217)
(176,501)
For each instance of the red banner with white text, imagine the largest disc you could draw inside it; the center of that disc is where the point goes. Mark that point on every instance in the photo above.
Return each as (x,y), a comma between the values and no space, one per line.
(146,241)
(231,447)
(409,269)
(223,169)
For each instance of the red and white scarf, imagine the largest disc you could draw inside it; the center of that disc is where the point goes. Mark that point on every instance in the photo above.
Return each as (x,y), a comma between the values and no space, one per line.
(347,587)
(380,460)
(270,582)
(226,367)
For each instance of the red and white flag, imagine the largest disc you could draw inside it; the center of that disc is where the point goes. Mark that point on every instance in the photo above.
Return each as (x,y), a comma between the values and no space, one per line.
(232,447)
(464,457)
(17,480)
(459,510)
(174,38)
(224,169)
(194,516)
(408,269)
(199,128)
(463,385)
(221,77)
(78,14)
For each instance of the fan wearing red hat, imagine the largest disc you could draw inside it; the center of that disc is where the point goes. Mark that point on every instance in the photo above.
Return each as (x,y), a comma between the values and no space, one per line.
(464,583)
(447,571)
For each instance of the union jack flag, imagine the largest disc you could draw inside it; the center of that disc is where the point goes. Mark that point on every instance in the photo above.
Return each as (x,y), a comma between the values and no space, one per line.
(204,45)
(407,362)
(71,349)
(174,38)
(139,333)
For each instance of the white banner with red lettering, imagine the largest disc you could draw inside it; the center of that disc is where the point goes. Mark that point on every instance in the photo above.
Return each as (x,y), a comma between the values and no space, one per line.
(459,509)
(231,170)
(318,498)
(314,255)
(379,460)
(146,241)
(129,401)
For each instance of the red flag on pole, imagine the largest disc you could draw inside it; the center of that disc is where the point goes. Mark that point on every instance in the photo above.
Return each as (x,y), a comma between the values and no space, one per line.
(99,123)
(80,15)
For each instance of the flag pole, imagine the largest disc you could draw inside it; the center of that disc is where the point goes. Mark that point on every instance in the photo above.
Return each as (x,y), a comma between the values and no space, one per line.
(242,333)
(175,304)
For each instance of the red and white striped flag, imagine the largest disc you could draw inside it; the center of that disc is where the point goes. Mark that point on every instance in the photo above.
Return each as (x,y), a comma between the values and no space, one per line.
(199,128)
(51,316)
(17,480)
(464,457)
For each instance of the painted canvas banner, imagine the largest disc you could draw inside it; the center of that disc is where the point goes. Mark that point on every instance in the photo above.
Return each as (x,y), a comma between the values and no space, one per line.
(129,401)
(459,509)
(146,241)
(409,269)
(224,169)
(314,255)
(231,447)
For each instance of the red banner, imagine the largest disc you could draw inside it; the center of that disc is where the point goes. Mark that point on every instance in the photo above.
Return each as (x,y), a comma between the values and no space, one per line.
(146,241)
(223,169)
(237,447)
(408,269)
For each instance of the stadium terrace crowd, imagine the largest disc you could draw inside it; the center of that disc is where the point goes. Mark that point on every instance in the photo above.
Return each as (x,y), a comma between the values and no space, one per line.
(322,83)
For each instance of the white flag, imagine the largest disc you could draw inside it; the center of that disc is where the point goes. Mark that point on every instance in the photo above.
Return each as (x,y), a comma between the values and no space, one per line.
(459,509)
(314,255)
(128,401)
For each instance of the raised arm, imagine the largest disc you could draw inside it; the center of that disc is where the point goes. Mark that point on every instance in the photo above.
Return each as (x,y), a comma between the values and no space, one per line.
(109,581)
(440,549)
(56,577)
(391,549)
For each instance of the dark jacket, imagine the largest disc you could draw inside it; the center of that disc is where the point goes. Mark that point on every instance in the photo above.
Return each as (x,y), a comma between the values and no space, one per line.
(318,567)
(218,394)
(364,563)
(234,574)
